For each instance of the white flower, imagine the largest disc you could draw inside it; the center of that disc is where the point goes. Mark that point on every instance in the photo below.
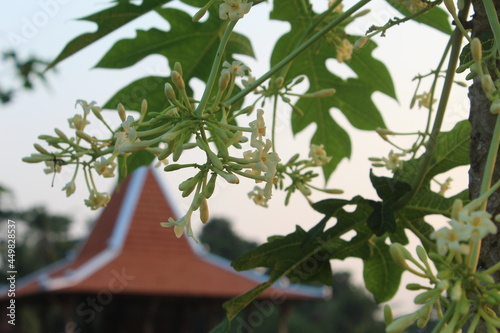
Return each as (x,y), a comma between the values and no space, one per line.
(52,167)
(236,68)
(393,163)
(258,197)
(97,200)
(181,225)
(234,9)
(105,167)
(77,122)
(69,188)
(266,162)
(258,130)
(344,50)
(445,186)
(318,155)
(477,225)
(125,137)
(449,239)
(87,107)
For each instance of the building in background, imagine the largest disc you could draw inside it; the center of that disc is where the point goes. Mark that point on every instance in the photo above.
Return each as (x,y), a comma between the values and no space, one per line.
(131,275)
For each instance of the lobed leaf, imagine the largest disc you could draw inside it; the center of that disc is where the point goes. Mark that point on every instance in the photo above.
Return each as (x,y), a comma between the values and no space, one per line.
(353,96)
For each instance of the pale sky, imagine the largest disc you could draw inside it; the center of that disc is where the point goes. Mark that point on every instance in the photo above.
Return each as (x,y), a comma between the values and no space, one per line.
(44,27)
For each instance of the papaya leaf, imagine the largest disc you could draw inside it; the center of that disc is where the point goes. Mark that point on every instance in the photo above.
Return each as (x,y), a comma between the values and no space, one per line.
(235,305)
(381,219)
(193,44)
(389,189)
(435,18)
(107,20)
(452,150)
(352,97)
(381,274)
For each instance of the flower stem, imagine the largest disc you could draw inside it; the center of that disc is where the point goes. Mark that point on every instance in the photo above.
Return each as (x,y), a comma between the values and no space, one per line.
(456,47)
(215,68)
(296,52)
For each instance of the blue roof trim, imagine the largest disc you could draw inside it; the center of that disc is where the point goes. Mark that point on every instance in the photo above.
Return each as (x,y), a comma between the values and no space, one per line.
(127,208)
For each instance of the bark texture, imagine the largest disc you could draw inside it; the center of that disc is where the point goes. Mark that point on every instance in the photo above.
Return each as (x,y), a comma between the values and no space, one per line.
(483,123)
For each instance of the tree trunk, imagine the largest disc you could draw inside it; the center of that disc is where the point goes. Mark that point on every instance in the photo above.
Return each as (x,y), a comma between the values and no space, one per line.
(483,123)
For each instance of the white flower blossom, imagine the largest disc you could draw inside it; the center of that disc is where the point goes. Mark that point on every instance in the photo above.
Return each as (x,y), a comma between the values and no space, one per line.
(258,197)
(449,239)
(236,68)
(87,107)
(52,167)
(392,162)
(77,122)
(234,9)
(105,167)
(97,199)
(69,188)
(476,225)
(318,155)
(258,130)
(181,225)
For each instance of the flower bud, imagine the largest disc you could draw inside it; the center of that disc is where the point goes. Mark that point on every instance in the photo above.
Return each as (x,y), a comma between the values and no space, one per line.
(61,134)
(388,316)
(121,112)
(178,67)
(476,49)
(402,323)
(225,77)
(360,43)
(450,5)
(36,158)
(199,14)
(97,113)
(170,93)
(188,185)
(397,254)
(178,80)
(40,149)
(487,84)
(210,187)
(278,82)
(321,93)
(414,286)
(424,297)
(204,212)
(85,136)
(495,106)
(144,107)
(424,314)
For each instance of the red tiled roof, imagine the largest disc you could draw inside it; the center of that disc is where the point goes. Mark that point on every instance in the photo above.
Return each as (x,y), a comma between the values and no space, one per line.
(128,251)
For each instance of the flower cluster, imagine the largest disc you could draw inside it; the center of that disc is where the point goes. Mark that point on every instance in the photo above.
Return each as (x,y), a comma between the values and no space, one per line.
(457,287)
(465,227)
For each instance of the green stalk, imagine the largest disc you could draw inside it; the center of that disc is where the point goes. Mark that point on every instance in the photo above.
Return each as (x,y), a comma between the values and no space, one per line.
(215,68)
(296,52)
(493,20)
(456,47)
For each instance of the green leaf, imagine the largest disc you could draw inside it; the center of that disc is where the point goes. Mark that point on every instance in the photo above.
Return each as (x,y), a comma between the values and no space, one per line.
(352,97)
(389,189)
(235,305)
(381,274)
(107,21)
(382,219)
(193,44)
(435,18)
(131,96)
(452,150)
